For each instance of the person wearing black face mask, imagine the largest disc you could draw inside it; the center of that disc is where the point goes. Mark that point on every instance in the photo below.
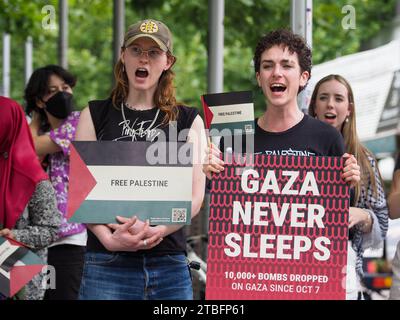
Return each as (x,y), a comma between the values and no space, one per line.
(49,102)
(60,105)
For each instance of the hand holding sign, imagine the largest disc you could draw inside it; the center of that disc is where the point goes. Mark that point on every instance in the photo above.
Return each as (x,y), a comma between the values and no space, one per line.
(351,170)
(226,114)
(110,178)
(133,234)
(213,163)
(6,233)
(18,266)
(279,229)
(229,113)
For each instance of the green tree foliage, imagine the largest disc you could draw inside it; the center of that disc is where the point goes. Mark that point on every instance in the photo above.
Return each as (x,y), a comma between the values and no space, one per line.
(22,19)
(90,50)
(331,39)
(90,38)
(89,43)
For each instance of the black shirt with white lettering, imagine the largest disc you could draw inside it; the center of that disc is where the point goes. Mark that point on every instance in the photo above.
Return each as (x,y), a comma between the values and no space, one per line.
(310,137)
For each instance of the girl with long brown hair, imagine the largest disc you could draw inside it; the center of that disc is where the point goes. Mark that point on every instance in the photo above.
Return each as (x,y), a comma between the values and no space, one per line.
(134,260)
(332,102)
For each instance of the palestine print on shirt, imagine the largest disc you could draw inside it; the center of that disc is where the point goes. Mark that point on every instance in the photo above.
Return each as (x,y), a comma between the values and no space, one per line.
(137,129)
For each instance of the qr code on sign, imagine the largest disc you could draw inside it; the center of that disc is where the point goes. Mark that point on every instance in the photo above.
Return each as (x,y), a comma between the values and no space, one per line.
(179,215)
(248,128)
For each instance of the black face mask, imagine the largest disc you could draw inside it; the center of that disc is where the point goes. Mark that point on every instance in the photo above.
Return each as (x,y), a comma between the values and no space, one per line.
(60,105)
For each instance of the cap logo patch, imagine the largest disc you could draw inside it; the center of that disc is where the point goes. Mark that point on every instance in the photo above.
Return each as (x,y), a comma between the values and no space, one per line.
(149,27)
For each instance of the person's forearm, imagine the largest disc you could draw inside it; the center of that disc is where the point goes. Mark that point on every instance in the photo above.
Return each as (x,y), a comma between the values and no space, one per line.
(196,206)
(394,196)
(34,126)
(366,225)
(168,229)
(43,143)
(35,135)
(362,218)
(394,205)
(36,237)
(103,234)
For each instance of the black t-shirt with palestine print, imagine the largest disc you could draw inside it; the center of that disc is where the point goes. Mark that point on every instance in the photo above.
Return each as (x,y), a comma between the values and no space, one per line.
(310,137)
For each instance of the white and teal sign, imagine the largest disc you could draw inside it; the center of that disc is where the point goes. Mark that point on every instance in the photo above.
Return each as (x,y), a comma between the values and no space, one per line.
(229,113)
(109,178)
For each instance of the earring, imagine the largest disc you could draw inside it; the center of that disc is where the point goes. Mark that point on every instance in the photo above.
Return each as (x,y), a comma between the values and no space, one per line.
(347,119)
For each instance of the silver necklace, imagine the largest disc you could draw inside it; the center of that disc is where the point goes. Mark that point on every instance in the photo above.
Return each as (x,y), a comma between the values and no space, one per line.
(123,113)
(133,108)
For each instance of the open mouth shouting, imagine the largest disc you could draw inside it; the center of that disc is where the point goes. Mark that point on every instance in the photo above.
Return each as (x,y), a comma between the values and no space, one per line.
(277,88)
(330,116)
(142,73)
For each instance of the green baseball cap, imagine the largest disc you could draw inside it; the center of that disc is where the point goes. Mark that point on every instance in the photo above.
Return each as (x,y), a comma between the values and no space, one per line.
(149,28)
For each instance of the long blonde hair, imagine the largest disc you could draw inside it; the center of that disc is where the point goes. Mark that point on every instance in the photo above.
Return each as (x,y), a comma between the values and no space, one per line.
(349,133)
(164,97)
